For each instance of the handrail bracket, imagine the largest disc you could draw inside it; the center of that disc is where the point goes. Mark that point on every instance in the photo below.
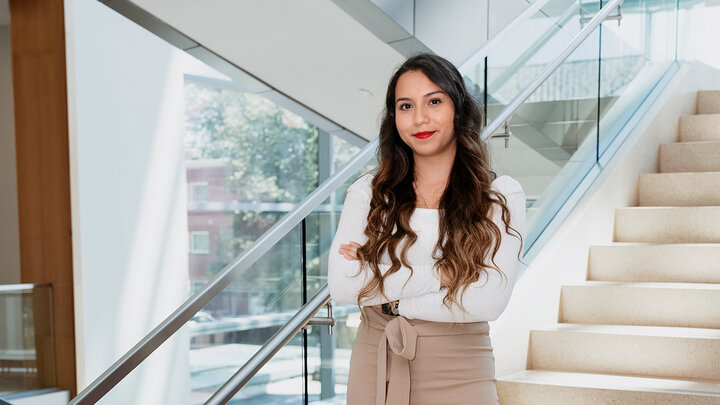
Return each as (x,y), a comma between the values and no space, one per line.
(323,320)
(506,134)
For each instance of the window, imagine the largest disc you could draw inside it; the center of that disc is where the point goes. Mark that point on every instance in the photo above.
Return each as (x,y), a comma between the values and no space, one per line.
(199,191)
(200,242)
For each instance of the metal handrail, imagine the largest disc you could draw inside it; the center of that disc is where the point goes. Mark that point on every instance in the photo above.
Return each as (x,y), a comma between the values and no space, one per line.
(123,366)
(268,350)
(516,102)
(21,288)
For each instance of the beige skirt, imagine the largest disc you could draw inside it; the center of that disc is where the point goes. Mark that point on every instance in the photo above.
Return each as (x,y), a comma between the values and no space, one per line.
(400,361)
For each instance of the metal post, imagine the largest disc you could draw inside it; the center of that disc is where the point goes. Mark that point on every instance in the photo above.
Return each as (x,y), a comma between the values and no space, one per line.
(326,226)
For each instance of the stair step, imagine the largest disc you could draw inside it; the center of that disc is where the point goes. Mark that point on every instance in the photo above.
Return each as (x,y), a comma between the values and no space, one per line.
(690,157)
(650,351)
(667,224)
(679,189)
(691,305)
(708,102)
(679,262)
(545,387)
(705,127)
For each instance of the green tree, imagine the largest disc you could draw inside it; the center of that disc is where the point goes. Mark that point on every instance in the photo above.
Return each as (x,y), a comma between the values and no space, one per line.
(272,153)
(272,156)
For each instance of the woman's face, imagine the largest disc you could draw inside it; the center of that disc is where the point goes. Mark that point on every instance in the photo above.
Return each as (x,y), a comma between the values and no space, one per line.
(424,115)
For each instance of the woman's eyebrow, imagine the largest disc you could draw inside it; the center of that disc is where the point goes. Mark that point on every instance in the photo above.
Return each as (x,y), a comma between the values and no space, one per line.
(427,95)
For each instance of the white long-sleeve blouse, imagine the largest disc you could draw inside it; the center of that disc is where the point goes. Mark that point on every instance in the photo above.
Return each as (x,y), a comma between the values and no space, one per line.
(420,295)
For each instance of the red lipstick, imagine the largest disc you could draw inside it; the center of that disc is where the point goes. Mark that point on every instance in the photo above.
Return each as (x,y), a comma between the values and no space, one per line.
(423,135)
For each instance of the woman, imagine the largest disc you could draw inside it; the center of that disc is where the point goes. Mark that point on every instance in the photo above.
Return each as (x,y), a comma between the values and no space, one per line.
(429,247)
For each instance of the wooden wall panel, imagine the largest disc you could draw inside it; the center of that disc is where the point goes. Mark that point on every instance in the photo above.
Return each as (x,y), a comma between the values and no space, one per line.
(37,32)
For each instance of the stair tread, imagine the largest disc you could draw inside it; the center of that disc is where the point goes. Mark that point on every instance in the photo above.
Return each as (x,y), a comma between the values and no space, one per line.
(616,382)
(648,284)
(636,330)
(639,244)
(690,143)
(670,207)
(701,115)
(681,174)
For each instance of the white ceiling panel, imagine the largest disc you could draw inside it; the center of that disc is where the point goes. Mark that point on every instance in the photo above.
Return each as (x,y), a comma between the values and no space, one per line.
(310,50)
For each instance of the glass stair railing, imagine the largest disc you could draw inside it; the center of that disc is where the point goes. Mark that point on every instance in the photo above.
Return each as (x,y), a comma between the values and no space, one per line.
(27,359)
(567,124)
(279,284)
(566,90)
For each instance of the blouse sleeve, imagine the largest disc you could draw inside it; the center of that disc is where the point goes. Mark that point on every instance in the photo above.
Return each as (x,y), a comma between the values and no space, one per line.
(344,285)
(482,302)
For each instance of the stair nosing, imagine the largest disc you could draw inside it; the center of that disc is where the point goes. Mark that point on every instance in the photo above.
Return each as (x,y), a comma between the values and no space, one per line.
(633,382)
(667,174)
(636,330)
(667,207)
(642,244)
(670,285)
(695,115)
(688,142)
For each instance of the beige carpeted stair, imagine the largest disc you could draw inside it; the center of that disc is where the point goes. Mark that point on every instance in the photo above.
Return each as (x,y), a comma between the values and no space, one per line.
(645,327)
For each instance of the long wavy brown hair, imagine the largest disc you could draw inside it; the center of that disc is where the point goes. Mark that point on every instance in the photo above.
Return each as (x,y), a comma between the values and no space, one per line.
(466,231)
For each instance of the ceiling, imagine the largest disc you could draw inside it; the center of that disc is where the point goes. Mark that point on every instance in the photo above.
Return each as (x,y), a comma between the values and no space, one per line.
(313,52)
(318,55)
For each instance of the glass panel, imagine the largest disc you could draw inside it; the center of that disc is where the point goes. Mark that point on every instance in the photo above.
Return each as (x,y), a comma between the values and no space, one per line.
(279,381)
(691,29)
(554,134)
(553,139)
(511,68)
(230,329)
(552,143)
(26,340)
(234,325)
(343,151)
(258,161)
(329,355)
(635,54)
(248,163)
(516,58)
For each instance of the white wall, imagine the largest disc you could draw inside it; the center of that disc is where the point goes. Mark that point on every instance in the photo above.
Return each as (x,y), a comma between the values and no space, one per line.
(9,238)
(125,99)
(702,37)
(563,260)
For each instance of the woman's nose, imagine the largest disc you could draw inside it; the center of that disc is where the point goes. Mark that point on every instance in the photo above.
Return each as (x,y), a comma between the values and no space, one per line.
(421,115)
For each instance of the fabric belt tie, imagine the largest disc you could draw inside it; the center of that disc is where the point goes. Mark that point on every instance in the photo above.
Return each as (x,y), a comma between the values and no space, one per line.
(400,335)
(402,339)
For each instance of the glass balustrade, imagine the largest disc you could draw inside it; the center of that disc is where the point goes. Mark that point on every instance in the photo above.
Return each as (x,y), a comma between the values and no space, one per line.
(635,55)
(568,123)
(26,340)
(276,282)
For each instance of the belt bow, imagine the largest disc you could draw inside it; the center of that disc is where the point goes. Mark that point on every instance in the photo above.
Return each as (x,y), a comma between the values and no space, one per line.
(402,339)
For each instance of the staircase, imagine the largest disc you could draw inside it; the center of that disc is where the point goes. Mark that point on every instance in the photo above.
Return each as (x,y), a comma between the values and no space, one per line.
(645,326)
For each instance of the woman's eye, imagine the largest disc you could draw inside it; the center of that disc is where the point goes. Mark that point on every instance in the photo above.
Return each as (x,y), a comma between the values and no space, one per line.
(403,106)
(435,101)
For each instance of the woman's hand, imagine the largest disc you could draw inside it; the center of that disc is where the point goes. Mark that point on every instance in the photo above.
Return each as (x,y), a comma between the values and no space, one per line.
(349,250)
